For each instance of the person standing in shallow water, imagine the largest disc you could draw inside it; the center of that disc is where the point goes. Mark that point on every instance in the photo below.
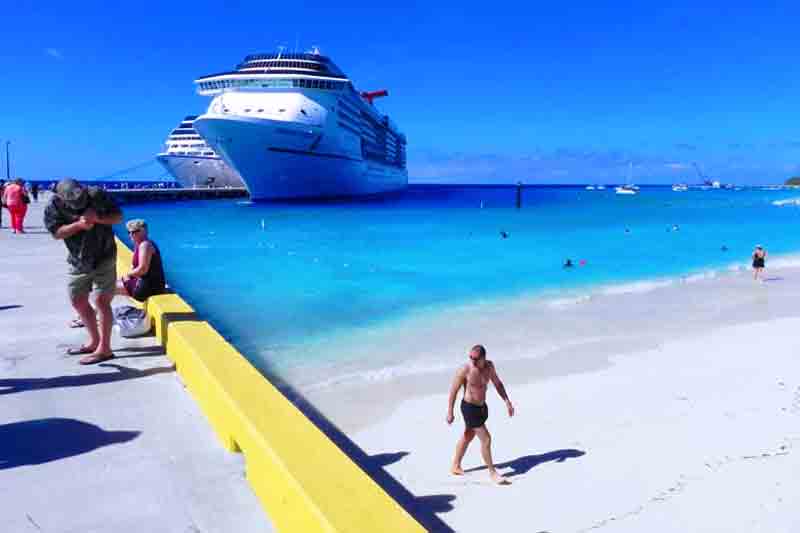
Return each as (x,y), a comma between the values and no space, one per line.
(759,260)
(474,377)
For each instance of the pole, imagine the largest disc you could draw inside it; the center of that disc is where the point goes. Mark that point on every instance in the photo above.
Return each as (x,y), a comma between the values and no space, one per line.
(8,163)
(519,194)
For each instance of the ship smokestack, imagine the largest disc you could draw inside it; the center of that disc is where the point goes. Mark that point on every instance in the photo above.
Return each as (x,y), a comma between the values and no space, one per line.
(369,96)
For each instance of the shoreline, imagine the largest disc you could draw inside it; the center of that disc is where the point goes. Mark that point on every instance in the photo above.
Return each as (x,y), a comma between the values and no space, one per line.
(532,338)
(328,373)
(678,411)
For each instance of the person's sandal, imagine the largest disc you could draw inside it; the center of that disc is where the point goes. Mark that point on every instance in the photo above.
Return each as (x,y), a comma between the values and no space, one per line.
(92,359)
(76,323)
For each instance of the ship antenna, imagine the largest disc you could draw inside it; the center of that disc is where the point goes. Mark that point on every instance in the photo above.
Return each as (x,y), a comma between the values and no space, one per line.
(280,50)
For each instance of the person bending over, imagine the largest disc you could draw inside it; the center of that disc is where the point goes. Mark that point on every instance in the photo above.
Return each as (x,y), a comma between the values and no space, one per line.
(146,277)
(82,217)
(474,377)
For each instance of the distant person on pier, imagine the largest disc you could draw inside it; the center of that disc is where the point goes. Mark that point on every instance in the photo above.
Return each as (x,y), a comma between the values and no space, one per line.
(35,192)
(2,202)
(759,260)
(82,217)
(16,199)
(146,277)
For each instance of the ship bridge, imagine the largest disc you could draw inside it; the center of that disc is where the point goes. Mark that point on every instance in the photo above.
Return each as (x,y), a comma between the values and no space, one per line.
(279,70)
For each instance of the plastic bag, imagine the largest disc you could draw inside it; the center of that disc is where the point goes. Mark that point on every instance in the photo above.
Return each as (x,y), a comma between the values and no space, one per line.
(131,321)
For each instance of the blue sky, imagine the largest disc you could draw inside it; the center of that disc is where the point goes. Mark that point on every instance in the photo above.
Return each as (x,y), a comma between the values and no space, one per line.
(565,92)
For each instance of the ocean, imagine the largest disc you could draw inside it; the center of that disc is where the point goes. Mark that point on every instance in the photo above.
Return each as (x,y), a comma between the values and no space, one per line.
(307,290)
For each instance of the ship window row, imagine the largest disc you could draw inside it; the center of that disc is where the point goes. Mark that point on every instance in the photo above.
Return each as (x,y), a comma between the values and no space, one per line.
(284,64)
(350,119)
(350,112)
(308,56)
(280,83)
(318,84)
(349,128)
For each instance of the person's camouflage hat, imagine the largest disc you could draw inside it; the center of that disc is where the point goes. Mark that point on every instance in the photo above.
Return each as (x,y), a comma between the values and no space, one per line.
(73,194)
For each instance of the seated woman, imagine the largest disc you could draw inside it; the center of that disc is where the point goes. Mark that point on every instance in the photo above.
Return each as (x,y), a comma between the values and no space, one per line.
(147,275)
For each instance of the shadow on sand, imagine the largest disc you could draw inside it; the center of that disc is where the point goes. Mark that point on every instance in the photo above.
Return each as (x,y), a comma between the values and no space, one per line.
(7,307)
(12,385)
(423,508)
(524,464)
(34,442)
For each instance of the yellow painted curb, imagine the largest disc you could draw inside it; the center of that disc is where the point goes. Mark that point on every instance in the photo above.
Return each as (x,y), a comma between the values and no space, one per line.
(303,480)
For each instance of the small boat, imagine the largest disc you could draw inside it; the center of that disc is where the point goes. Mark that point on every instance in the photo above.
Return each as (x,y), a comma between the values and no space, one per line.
(628,188)
(680,187)
(601,187)
(590,187)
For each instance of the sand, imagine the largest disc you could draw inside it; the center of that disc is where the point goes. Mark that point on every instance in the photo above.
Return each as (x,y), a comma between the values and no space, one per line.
(674,409)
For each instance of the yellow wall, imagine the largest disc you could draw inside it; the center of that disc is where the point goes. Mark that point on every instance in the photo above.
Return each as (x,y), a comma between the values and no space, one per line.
(304,481)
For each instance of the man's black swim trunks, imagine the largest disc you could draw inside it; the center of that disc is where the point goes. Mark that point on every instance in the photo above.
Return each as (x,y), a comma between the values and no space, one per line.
(474,415)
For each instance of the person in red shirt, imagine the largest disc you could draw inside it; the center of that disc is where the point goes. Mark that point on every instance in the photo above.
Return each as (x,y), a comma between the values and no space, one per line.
(16,200)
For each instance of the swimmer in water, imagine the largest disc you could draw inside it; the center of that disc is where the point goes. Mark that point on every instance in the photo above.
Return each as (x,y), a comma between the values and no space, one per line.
(503,235)
(568,263)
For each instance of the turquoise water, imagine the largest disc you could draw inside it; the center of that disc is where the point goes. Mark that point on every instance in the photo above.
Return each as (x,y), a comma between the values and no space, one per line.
(279,279)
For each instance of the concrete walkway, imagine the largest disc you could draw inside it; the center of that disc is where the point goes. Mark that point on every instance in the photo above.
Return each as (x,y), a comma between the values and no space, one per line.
(118,447)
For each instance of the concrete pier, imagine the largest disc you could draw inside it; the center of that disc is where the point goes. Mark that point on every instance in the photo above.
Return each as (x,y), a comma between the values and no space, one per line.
(147,195)
(117,447)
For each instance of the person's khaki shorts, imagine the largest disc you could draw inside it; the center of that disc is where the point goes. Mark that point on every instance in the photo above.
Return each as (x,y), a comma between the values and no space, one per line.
(103,279)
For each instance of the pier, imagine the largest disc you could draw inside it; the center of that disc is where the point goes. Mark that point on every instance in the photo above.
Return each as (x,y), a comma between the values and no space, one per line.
(118,446)
(168,194)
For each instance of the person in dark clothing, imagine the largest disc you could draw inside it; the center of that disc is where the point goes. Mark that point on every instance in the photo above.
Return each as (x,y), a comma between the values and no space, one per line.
(759,260)
(35,192)
(147,275)
(82,217)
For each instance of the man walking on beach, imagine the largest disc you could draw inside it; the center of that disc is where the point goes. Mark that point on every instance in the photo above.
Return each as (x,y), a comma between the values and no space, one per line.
(474,377)
(82,217)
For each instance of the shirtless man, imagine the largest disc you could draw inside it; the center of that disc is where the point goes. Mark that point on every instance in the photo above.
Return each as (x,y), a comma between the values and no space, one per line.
(474,377)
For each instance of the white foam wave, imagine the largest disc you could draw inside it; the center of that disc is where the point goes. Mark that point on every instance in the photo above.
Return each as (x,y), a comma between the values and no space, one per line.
(787,201)
(785,261)
(381,375)
(636,287)
(559,303)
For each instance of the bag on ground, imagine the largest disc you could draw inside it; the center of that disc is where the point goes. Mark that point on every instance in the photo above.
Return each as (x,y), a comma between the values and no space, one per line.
(131,321)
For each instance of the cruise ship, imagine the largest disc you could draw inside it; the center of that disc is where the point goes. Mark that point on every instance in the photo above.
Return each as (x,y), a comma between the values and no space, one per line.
(293,126)
(192,162)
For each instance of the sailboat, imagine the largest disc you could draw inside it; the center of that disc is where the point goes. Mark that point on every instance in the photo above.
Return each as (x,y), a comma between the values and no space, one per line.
(628,188)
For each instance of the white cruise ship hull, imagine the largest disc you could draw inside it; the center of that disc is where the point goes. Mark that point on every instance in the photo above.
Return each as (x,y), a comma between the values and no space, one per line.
(194,171)
(283,160)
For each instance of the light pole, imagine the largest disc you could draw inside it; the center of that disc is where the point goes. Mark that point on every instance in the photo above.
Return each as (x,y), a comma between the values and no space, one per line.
(8,163)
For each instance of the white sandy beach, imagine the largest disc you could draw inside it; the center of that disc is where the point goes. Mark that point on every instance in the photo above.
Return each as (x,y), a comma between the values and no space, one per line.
(676,409)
